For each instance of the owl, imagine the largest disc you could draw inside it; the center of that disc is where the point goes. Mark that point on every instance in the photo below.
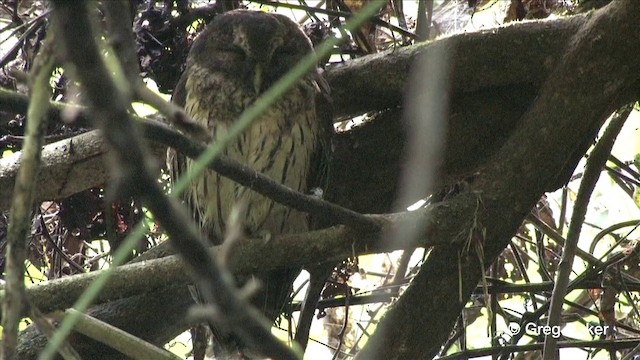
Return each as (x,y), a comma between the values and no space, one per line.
(231,63)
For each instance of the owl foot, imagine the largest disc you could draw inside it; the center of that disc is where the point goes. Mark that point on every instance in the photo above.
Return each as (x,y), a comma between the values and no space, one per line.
(264,235)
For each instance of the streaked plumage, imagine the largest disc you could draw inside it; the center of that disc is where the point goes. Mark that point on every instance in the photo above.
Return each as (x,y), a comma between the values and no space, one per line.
(238,56)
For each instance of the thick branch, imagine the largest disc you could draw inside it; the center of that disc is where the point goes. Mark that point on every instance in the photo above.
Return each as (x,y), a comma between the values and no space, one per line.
(521,53)
(336,243)
(68,167)
(109,103)
(155,277)
(490,97)
(573,103)
(536,59)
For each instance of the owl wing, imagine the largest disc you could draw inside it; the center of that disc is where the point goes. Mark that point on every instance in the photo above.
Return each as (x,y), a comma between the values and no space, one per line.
(179,96)
(319,169)
(321,158)
(177,162)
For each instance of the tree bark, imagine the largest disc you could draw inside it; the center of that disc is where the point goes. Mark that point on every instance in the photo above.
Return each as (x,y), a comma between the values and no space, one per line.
(578,95)
(497,76)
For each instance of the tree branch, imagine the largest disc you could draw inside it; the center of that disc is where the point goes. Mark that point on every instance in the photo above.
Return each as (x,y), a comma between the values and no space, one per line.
(596,162)
(489,98)
(134,177)
(532,61)
(24,201)
(157,269)
(522,53)
(512,182)
(61,151)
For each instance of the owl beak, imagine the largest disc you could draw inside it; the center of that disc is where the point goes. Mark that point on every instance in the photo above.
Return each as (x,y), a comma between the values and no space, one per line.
(257,79)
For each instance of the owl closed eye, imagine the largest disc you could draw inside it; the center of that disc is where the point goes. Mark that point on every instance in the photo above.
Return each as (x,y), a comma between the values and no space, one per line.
(236,58)
(251,47)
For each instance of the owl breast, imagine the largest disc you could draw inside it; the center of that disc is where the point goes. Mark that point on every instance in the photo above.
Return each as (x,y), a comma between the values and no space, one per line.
(279,144)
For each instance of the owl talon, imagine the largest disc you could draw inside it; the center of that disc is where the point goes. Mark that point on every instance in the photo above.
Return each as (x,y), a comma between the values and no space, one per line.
(317,193)
(250,289)
(264,235)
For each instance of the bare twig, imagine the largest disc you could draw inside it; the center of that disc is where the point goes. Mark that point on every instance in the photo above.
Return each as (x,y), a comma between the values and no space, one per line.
(126,343)
(46,327)
(23,200)
(595,163)
(19,140)
(343,14)
(260,183)
(345,324)
(34,25)
(121,38)
(57,249)
(134,177)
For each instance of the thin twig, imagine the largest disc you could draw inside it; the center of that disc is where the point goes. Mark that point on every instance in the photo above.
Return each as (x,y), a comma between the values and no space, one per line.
(232,169)
(134,177)
(121,38)
(13,51)
(174,114)
(595,163)
(23,200)
(19,140)
(57,249)
(259,182)
(345,324)
(343,14)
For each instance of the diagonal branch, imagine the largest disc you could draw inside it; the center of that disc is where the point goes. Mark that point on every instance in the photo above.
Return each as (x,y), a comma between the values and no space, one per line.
(24,200)
(134,177)
(62,156)
(596,162)
(331,244)
(528,52)
(596,72)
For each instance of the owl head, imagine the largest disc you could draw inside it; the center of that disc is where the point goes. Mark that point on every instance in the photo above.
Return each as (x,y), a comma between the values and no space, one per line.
(253,48)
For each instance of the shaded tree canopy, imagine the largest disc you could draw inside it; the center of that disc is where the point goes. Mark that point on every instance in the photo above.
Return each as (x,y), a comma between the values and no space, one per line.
(525,104)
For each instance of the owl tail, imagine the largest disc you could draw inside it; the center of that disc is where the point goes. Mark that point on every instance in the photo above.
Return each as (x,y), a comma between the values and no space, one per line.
(272,300)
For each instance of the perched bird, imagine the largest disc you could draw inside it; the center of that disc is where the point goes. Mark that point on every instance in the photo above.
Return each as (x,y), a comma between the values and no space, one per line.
(231,63)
